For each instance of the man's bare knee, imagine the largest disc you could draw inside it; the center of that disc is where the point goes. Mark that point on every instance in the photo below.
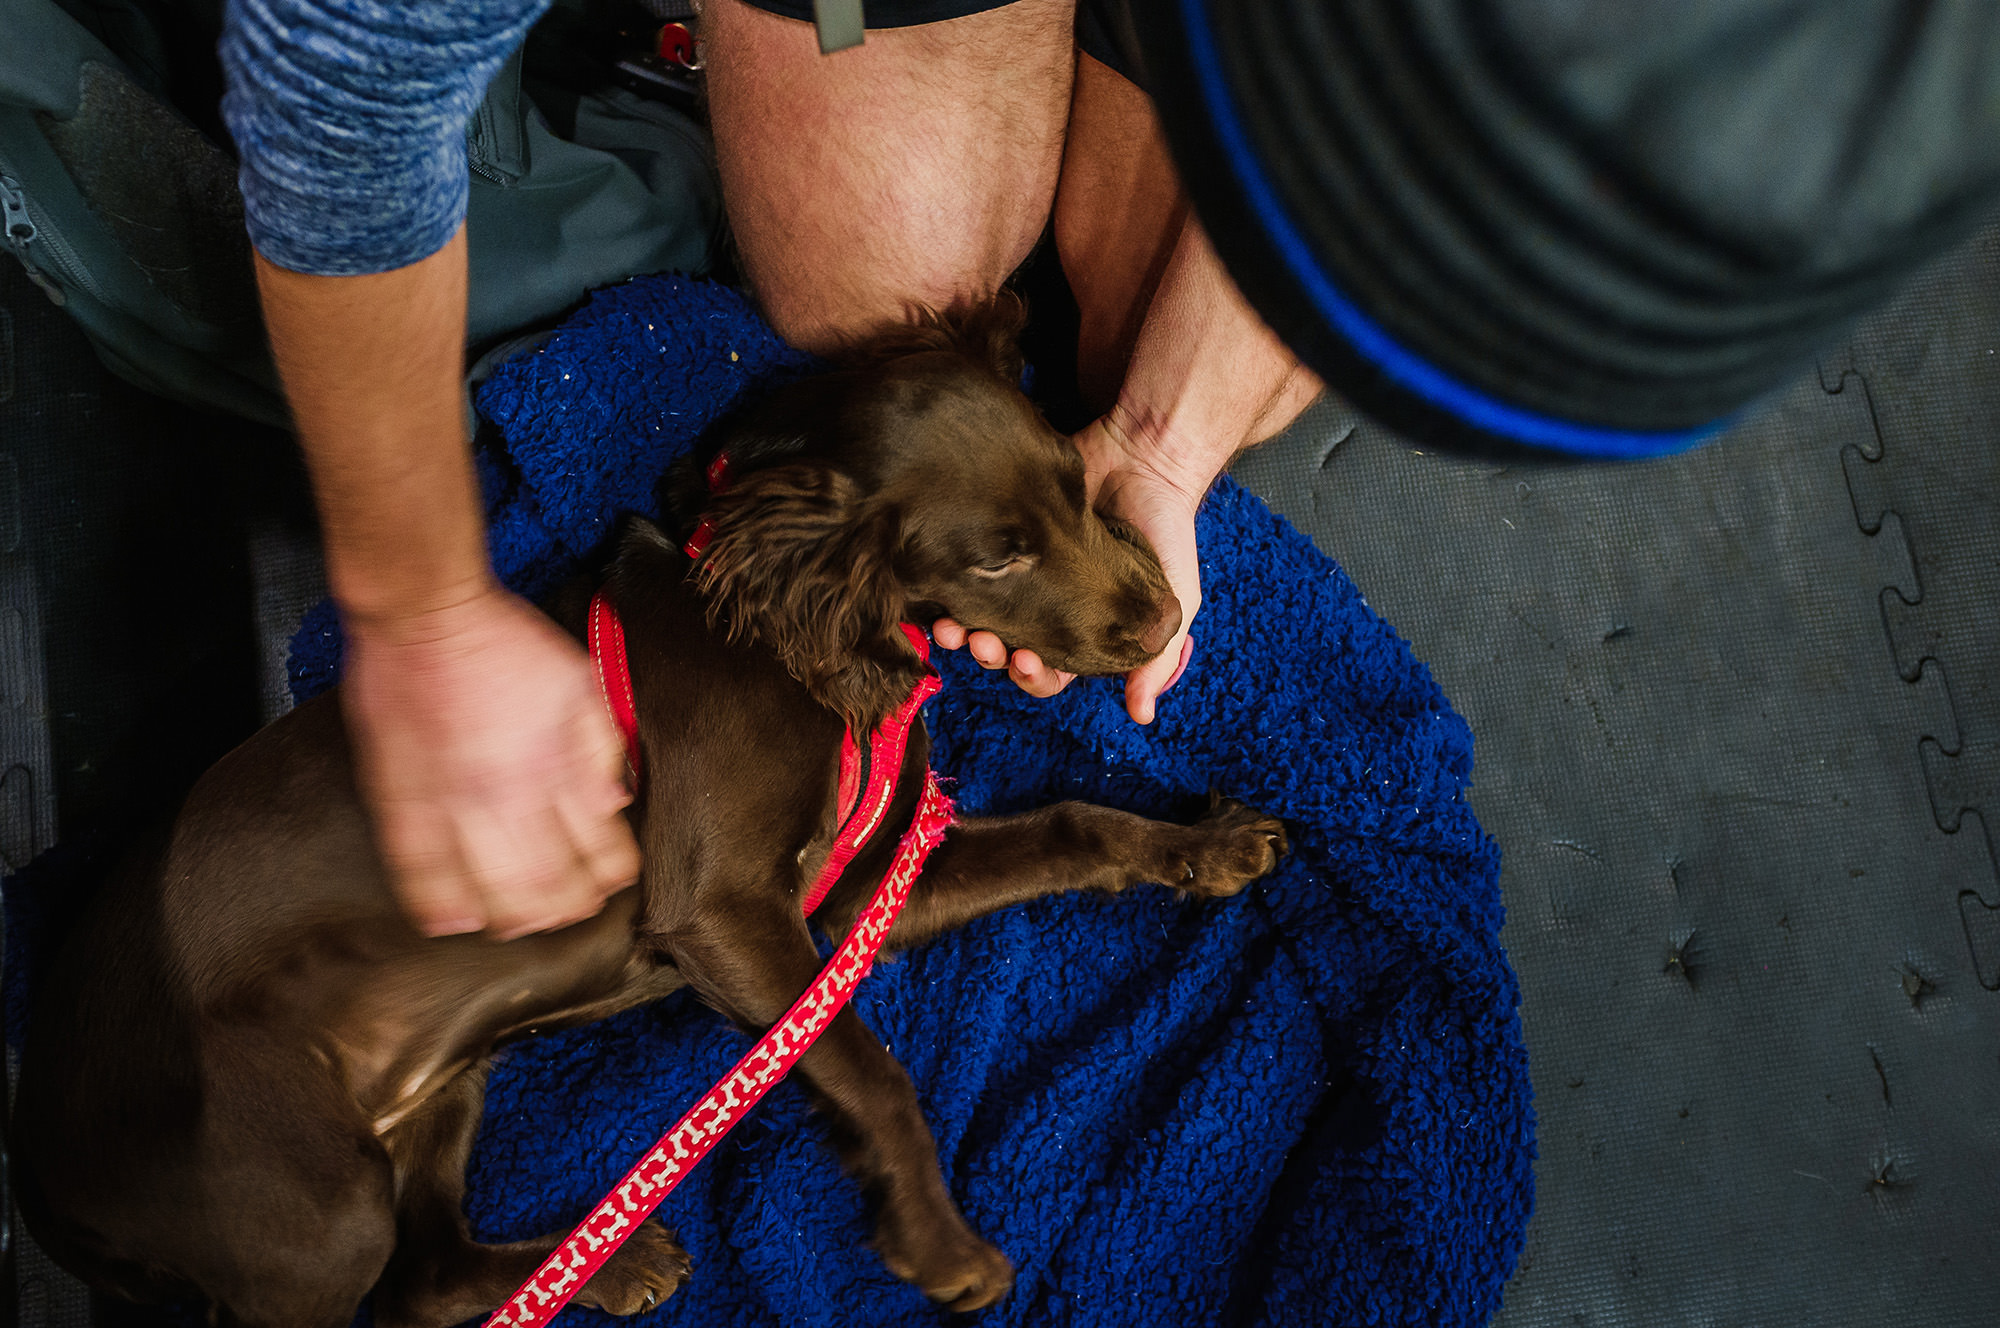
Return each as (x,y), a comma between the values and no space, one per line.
(915,169)
(821,316)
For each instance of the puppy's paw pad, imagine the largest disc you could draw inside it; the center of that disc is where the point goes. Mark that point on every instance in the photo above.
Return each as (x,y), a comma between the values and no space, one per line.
(648,1267)
(1233,846)
(955,1268)
(980,1281)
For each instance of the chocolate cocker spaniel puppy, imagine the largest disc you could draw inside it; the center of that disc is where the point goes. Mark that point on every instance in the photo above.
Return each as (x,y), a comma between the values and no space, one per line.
(250,1079)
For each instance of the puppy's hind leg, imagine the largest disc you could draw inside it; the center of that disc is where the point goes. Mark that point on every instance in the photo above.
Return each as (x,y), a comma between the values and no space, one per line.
(440,1276)
(295,1224)
(750,956)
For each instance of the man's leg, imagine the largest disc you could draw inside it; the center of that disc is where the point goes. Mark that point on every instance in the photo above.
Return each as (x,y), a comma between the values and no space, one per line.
(917,168)
(1118,213)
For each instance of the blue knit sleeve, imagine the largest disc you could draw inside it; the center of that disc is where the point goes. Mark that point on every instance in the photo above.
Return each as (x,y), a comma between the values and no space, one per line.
(349,118)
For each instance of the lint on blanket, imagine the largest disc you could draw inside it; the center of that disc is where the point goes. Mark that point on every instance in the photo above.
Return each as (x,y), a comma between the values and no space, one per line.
(1306,1105)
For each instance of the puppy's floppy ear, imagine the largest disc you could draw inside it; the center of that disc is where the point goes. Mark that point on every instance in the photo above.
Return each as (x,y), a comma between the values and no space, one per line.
(802,562)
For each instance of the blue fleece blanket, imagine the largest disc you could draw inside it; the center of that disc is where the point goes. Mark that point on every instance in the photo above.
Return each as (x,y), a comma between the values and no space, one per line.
(1307,1105)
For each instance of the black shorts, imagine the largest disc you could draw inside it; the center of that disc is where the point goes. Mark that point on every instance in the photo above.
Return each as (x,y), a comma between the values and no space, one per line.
(1094,24)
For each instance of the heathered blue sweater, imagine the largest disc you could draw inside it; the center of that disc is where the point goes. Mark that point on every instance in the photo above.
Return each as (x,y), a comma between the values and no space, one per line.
(349,118)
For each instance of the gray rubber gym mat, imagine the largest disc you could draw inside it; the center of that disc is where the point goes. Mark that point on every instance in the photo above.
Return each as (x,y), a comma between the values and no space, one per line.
(1733,746)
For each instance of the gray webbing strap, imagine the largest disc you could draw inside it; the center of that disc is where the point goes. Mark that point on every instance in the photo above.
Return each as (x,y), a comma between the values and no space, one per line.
(839,23)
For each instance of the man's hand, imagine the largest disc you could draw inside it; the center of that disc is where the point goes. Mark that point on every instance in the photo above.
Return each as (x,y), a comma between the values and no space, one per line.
(493,770)
(1135,481)
(1205,380)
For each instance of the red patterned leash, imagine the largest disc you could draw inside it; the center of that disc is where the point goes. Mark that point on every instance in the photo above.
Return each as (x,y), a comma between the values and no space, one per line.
(620,1212)
(654,1177)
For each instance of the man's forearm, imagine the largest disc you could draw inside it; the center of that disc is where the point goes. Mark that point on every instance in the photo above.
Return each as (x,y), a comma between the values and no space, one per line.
(1207,378)
(373,367)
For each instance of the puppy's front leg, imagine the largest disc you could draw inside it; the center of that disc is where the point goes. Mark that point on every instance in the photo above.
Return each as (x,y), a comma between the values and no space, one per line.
(988,863)
(749,955)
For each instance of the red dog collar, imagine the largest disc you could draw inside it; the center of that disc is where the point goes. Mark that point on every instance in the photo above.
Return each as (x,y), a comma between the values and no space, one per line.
(868,776)
(614,675)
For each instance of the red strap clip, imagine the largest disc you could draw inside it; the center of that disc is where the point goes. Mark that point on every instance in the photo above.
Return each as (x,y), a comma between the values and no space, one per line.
(704,531)
(677,45)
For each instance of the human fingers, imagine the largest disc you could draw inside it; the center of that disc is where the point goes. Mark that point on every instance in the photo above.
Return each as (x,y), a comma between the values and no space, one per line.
(1025,667)
(1145,685)
(1131,481)
(525,870)
(948,634)
(468,730)
(603,845)
(428,875)
(1034,677)
(590,806)
(988,649)
(1171,532)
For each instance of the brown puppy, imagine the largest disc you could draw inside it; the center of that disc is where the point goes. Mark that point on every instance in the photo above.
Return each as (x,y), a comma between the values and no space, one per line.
(249,1078)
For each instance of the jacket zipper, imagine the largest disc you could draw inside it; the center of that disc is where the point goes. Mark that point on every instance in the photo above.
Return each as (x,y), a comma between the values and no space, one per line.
(50,261)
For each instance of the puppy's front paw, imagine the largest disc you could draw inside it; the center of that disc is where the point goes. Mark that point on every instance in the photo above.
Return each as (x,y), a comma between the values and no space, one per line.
(648,1267)
(1228,848)
(946,1262)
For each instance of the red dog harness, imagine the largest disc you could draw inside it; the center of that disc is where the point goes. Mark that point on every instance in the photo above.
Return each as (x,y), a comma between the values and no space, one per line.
(867,788)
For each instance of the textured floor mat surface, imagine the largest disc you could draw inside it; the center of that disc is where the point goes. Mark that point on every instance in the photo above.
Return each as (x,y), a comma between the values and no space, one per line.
(1734,747)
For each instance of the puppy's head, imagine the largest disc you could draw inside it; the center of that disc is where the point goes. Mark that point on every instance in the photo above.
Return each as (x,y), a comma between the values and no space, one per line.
(914,482)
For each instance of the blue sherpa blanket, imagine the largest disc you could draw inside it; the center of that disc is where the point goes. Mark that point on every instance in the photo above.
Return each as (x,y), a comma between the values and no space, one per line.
(1306,1105)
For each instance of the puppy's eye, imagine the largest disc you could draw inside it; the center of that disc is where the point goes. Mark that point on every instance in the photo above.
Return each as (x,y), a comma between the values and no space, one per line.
(1000,567)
